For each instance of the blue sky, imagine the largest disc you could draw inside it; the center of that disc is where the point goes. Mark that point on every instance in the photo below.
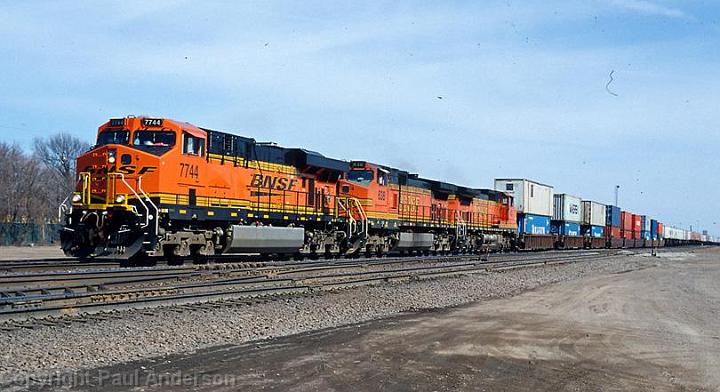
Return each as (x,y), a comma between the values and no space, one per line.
(461,91)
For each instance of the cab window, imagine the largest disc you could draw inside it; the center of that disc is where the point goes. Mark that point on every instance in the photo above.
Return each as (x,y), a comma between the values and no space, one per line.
(362,177)
(156,142)
(113,137)
(382,177)
(193,145)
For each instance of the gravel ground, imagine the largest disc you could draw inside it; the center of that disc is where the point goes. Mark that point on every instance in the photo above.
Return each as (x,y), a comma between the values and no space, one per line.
(8,253)
(137,335)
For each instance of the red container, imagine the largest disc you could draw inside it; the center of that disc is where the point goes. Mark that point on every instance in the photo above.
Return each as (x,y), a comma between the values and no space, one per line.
(612,232)
(626,222)
(661,228)
(637,223)
(636,235)
(627,234)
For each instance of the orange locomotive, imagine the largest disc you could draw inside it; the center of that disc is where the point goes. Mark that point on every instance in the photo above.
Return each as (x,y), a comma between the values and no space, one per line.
(159,187)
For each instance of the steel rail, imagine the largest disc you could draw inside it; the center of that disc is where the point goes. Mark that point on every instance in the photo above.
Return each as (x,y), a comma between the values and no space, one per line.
(44,305)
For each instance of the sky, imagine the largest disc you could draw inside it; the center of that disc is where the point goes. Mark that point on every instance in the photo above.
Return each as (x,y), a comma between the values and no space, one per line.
(462,91)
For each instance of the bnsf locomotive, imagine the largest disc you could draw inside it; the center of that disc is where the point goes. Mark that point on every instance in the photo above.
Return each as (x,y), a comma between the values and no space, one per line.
(158,187)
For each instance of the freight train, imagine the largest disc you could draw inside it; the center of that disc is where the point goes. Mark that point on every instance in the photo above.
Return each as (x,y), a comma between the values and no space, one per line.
(155,187)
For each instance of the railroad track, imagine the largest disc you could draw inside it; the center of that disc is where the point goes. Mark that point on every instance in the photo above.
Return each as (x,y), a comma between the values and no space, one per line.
(77,302)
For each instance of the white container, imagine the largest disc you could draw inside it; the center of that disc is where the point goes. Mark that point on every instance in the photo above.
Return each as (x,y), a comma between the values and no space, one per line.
(567,208)
(593,213)
(530,197)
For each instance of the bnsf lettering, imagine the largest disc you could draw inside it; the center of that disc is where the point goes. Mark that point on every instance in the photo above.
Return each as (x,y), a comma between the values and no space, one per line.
(125,169)
(270,182)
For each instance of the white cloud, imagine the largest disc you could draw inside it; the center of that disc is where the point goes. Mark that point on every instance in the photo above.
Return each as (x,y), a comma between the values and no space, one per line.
(649,8)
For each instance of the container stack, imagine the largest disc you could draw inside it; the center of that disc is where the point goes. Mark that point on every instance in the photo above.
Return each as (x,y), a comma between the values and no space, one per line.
(636,226)
(613,227)
(534,204)
(645,234)
(626,228)
(654,230)
(567,216)
(593,223)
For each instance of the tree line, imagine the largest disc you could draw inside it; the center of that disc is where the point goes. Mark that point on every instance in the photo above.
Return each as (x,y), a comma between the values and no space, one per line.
(34,183)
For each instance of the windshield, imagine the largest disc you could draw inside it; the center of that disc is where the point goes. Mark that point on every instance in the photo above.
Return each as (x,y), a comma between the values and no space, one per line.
(154,138)
(156,142)
(113,137)
(360,176)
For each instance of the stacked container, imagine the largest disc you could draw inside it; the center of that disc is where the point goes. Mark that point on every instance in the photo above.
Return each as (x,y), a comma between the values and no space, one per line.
(594,216)
(645,223)
(654,230)
(534,204)
(567,215)
(626,225)
(613,227)
(636,226)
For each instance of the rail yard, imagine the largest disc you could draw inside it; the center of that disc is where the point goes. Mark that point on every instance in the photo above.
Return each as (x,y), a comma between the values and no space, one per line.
(253,241)
(359,196)
(240,302)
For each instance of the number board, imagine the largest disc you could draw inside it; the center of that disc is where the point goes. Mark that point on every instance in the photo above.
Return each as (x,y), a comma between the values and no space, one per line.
(152,122)
(117,122)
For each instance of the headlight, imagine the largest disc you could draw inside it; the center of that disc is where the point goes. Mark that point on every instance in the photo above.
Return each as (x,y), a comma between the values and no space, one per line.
(111,155)
(119,199)
(76,198)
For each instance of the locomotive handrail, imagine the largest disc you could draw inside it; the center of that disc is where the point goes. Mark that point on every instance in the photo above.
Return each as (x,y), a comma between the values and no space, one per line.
(347,205)
(149,200)
(63,209)
(147,210)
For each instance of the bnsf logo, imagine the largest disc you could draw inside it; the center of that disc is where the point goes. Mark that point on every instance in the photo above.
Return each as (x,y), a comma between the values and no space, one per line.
(270,182)
(126,169)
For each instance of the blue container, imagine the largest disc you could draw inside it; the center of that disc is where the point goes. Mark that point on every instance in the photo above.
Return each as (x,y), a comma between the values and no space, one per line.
(533,224)
(565,228)
(592,231)
(654,229)
(613,216)
(645,235)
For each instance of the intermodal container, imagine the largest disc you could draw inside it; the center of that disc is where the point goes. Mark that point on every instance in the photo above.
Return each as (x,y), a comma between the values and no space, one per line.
(646,222)
(645,235)
(567,208)
(594,231)
(533,224)
(565,228)
(613,216)
(637,224)
(628,235)
(654,229)
(530,197)
(626,221)
(593,213)
(661,230)
(612,232)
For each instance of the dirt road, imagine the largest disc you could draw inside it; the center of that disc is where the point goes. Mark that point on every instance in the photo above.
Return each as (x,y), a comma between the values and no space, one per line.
(654,328)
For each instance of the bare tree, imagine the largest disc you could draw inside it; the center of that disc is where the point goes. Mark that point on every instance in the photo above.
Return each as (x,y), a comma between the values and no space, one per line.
(58,154)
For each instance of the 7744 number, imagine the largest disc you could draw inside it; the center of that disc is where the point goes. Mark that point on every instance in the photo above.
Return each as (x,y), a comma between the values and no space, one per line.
(189,171)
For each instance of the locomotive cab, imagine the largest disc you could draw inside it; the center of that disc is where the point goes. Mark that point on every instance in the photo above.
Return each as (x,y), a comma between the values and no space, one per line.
(111,212)
(371,184)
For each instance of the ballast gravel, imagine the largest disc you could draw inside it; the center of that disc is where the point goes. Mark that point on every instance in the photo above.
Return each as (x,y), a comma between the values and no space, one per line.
(154,333)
